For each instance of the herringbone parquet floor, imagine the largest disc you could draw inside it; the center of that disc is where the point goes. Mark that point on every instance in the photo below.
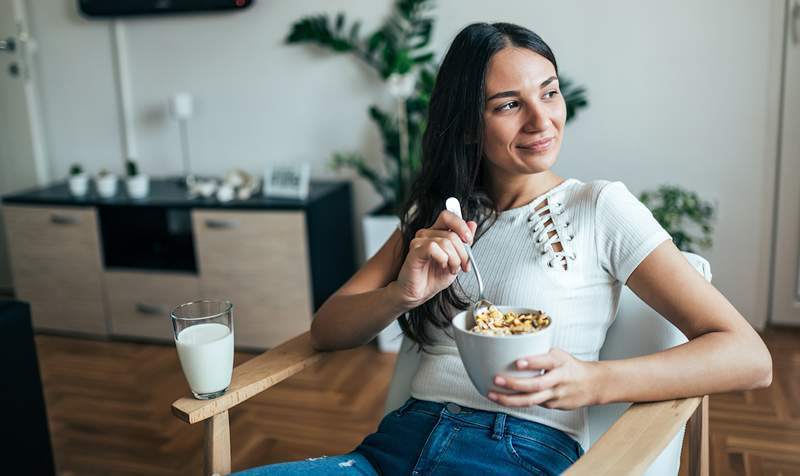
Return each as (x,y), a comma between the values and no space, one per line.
(109,409)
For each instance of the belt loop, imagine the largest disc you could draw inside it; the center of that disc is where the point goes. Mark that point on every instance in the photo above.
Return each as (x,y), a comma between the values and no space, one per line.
(499,426)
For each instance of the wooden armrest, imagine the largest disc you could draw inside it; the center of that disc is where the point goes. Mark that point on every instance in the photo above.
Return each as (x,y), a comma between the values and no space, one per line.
(636,438)
(253,377)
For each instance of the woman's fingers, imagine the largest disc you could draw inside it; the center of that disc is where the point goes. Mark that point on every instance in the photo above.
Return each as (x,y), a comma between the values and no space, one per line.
(458,245)
(454,259)
(427,250)
(449,221)
(529,384)
(547,361)
(523,399)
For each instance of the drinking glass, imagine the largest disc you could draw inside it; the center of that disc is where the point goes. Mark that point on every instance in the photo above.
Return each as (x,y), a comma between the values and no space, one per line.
(203,332)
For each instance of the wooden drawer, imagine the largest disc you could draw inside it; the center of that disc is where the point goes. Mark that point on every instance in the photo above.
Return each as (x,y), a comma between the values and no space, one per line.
(56,265)
(252,242)
(139,303)
(267,311)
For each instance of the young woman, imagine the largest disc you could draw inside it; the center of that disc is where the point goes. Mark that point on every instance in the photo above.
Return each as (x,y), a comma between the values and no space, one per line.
(496,124)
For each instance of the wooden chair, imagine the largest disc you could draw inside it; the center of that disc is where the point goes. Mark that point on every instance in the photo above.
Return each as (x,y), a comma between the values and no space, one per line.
(645,439)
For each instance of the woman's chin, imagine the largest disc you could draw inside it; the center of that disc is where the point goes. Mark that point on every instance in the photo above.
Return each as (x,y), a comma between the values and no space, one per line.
(537,162)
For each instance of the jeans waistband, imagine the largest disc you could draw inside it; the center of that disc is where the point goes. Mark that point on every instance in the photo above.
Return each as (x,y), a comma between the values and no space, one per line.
(499,423)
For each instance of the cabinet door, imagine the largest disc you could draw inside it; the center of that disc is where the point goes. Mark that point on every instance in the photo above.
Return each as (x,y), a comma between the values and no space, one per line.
(258,260)
(139,303)
(56,266)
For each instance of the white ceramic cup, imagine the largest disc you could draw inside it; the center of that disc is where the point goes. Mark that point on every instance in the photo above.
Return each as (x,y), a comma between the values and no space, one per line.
(486,356)
(138,186)
(78,185)
(106,185)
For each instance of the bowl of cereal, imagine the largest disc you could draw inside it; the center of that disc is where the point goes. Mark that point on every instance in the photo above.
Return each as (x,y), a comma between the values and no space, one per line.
(493,340)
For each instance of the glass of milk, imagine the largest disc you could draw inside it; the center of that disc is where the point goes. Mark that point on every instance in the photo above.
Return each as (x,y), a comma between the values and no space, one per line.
(203,332)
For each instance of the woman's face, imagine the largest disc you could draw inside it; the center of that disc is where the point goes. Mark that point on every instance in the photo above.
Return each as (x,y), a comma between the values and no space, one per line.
(524,114)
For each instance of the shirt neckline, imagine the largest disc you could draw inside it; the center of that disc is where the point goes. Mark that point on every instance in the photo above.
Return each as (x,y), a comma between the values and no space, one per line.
(524,208)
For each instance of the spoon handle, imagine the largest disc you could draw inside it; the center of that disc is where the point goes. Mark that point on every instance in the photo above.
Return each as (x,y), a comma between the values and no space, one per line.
(454,206)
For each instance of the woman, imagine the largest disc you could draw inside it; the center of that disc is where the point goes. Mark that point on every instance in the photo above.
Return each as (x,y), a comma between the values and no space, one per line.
(496,124)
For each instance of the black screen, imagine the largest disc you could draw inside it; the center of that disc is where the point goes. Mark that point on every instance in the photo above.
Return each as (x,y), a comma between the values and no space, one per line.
(112,8)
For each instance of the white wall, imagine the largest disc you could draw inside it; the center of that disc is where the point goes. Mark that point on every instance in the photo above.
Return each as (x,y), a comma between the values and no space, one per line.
(681,92)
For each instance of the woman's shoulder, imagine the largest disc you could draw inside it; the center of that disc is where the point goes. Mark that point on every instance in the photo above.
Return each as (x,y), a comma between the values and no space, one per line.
(593,191)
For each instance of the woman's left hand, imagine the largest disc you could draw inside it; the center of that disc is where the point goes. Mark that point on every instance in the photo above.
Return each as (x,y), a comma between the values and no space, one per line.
(568,383)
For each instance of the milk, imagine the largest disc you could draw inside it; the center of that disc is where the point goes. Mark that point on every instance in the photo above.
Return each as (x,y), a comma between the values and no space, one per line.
(206,355)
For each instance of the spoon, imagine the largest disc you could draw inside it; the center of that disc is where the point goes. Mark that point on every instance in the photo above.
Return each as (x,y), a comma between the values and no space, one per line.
(453,206)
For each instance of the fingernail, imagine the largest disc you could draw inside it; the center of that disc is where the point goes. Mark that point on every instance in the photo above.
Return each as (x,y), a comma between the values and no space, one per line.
(522,364)
(499,380)
(469,236)
(492,396)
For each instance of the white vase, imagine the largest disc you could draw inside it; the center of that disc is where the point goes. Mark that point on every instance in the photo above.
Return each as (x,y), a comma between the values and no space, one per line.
(106,185)
(377,229)
(78,185)
(138,186)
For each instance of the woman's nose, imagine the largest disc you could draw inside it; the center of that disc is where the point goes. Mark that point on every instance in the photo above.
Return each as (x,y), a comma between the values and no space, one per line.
(536,120)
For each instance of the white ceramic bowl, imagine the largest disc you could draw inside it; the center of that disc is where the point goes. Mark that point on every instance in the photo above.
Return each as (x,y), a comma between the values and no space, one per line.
(486,356)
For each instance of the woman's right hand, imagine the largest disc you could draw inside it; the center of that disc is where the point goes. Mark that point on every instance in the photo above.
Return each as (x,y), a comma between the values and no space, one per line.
(435,256)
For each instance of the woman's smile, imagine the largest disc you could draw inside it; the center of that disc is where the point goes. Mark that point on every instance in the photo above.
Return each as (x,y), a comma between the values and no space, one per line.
(536,147)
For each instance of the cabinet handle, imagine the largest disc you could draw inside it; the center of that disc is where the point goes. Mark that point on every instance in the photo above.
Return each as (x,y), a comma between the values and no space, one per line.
(221,224)
(151,309)
(59,219)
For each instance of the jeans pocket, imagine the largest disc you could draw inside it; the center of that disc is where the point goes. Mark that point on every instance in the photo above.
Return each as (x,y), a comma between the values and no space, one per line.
(399,412)
(538,457)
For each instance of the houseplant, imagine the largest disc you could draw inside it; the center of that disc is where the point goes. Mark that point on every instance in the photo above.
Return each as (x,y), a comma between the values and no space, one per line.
(683,215)
(78,180)
(106,183)
(138,184)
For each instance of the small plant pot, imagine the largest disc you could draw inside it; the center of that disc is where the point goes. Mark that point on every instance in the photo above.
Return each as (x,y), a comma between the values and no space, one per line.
(78,185)
(138,186)
(106,185)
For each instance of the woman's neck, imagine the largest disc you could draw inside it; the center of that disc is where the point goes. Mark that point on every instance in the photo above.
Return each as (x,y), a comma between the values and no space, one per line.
(516,191)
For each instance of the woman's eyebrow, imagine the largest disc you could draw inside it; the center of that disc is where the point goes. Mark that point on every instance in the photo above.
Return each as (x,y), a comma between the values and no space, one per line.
(507,94)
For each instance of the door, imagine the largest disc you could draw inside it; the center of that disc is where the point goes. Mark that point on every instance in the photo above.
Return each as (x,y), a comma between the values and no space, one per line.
(21,154)
(785,308)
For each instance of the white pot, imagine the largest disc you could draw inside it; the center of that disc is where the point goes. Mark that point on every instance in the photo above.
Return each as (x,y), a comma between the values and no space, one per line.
(78,185)
(106,185)
(377,229)
(138,186)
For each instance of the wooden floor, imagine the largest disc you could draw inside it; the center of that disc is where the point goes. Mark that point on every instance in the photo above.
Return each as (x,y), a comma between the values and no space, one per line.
(109,409)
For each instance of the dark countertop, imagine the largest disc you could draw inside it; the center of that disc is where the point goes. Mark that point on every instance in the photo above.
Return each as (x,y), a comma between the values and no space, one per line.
(166,192)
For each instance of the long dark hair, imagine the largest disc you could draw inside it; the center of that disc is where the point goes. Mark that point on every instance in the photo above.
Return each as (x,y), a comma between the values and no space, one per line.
(452,152)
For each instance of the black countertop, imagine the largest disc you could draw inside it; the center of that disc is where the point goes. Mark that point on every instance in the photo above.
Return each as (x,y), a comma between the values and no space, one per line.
(166,192)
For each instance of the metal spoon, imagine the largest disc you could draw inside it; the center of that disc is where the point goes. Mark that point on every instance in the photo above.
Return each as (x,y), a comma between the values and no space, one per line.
(453,206)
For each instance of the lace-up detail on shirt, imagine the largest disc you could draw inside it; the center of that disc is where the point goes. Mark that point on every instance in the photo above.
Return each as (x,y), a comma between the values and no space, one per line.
(552,233)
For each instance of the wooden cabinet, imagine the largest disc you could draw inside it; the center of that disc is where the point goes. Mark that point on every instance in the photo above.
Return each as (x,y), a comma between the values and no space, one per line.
(56,266)
(259,261)
(118,267)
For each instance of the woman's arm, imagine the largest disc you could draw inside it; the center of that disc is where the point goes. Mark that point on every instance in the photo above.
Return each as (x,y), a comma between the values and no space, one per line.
(724,353)
(390,284)
(364,305)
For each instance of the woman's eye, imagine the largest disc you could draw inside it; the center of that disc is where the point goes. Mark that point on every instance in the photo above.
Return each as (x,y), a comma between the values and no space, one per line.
(550,94)
(508,106)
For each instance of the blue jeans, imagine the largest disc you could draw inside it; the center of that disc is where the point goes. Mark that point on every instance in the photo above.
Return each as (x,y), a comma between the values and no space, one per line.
(427,438)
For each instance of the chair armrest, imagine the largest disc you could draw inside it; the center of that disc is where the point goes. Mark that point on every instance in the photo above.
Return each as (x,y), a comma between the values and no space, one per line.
(252,377)
(636,438)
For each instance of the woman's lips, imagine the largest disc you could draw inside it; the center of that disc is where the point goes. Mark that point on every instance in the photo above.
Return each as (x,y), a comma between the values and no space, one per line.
(537,146)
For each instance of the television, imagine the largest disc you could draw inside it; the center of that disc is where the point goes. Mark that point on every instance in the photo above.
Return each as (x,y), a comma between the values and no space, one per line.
(115,8)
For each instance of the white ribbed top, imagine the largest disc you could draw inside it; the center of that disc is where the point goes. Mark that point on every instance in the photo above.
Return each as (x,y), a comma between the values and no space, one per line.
(605,233)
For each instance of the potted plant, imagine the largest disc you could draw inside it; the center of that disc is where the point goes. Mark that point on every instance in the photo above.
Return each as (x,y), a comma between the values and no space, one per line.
(78,180)
(683,215)
(138,184)
(106,184)
(398,52)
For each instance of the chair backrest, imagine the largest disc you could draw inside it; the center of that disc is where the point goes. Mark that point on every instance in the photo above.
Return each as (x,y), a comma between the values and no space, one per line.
(637,330)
